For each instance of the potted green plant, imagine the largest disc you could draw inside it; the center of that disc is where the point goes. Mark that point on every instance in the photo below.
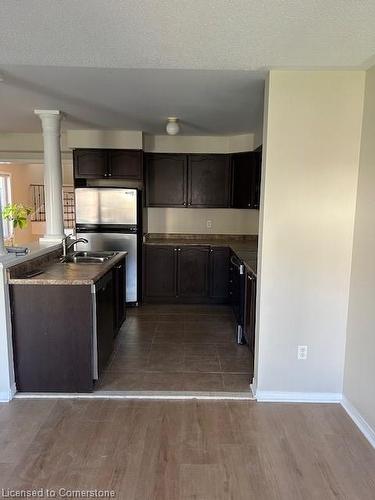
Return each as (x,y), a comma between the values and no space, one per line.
(18,214)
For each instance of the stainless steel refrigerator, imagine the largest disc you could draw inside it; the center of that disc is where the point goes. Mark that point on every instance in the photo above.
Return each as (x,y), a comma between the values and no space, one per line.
(110,219)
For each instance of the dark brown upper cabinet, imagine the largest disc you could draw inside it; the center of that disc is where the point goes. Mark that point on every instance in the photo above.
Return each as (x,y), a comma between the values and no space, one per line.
(90,163)
(179,180)
(166,180)
(209,181)
(193,265)
(246,173)
(103,163)
(125,164)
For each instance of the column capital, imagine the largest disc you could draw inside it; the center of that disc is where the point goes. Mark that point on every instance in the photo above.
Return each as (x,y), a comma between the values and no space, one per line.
(50,119)
(48,112)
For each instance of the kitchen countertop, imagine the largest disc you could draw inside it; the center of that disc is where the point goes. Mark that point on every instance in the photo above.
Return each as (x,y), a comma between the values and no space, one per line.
(244,247)
(59,273)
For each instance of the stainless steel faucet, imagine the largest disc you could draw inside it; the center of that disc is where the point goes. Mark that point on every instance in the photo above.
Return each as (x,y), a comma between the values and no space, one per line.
(66,245)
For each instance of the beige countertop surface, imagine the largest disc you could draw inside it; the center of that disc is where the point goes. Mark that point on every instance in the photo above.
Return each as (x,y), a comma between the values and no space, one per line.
(59,273)
(245,248)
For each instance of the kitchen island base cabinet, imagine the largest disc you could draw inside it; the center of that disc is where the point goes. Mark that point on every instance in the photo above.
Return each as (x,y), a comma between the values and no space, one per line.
(105,318)
(63,335)
(52,338)
(119,283)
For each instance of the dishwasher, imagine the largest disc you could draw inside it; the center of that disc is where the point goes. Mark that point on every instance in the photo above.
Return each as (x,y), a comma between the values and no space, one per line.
(237,294)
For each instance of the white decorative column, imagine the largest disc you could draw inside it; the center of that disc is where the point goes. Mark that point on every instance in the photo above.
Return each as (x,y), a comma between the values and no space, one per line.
(52,174)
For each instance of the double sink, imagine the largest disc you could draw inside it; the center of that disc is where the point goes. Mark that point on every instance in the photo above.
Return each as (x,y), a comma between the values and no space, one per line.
(83,257)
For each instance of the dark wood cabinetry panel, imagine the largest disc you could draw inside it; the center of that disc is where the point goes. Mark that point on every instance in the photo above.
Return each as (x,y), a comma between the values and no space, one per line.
(246,172)
(219,273)
(125,164)
(255,180)
(52,338)
(103,163)
(250,310)
(166,180)
(104,319)
(119,278)
(209,180)
(186,274)
(160,275)
(90,163)
(192,271)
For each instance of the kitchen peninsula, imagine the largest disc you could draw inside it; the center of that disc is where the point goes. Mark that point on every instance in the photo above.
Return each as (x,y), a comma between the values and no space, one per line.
(65,315)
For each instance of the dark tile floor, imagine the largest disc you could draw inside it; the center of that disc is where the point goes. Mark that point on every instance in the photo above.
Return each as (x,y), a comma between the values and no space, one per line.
(178,348)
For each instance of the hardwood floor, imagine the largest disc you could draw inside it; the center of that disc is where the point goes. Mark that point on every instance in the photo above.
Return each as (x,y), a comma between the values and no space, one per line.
(178,348)
(186,450)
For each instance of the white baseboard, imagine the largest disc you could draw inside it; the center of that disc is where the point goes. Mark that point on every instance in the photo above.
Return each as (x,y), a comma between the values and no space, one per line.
(298,397)
(360,422)
(145,395)
(6,396)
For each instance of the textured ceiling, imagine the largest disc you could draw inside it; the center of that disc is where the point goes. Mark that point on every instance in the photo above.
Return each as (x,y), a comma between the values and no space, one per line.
(189,34)
(104,62)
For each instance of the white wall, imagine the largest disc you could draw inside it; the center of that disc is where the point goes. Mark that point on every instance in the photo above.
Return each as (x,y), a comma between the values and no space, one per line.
(310,168)
(198,144)
(121,139)
(359,380)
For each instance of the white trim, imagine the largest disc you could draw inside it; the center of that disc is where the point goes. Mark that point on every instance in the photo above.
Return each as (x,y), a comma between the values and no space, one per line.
(150,395)
(360,422)
(6,396)
(298,397)
(253,387)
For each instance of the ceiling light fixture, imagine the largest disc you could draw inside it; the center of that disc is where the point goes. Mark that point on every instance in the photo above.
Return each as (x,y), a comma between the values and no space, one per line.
(172,127)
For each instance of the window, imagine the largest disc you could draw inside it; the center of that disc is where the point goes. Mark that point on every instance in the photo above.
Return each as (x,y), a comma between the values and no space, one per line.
(5,198)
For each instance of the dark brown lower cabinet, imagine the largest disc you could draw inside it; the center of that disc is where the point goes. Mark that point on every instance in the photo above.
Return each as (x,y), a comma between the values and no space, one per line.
(219,273)
(187,273)
(250,310)
(119,278)
(54,328)
(105,319)
(52,337)
(192,272)
(160,268)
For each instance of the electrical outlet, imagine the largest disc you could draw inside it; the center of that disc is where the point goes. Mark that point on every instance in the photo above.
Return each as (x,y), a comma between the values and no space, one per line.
(302,352)
(209,224)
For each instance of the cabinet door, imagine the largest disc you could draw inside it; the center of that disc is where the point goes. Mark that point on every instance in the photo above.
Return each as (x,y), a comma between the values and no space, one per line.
(160,271)
(192,271)
(209,181)
(166,176)
(245,180)
(104,319)
(256,179)
(119,277)
(219,273)
(250,310)
(125,164)
(90,163)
